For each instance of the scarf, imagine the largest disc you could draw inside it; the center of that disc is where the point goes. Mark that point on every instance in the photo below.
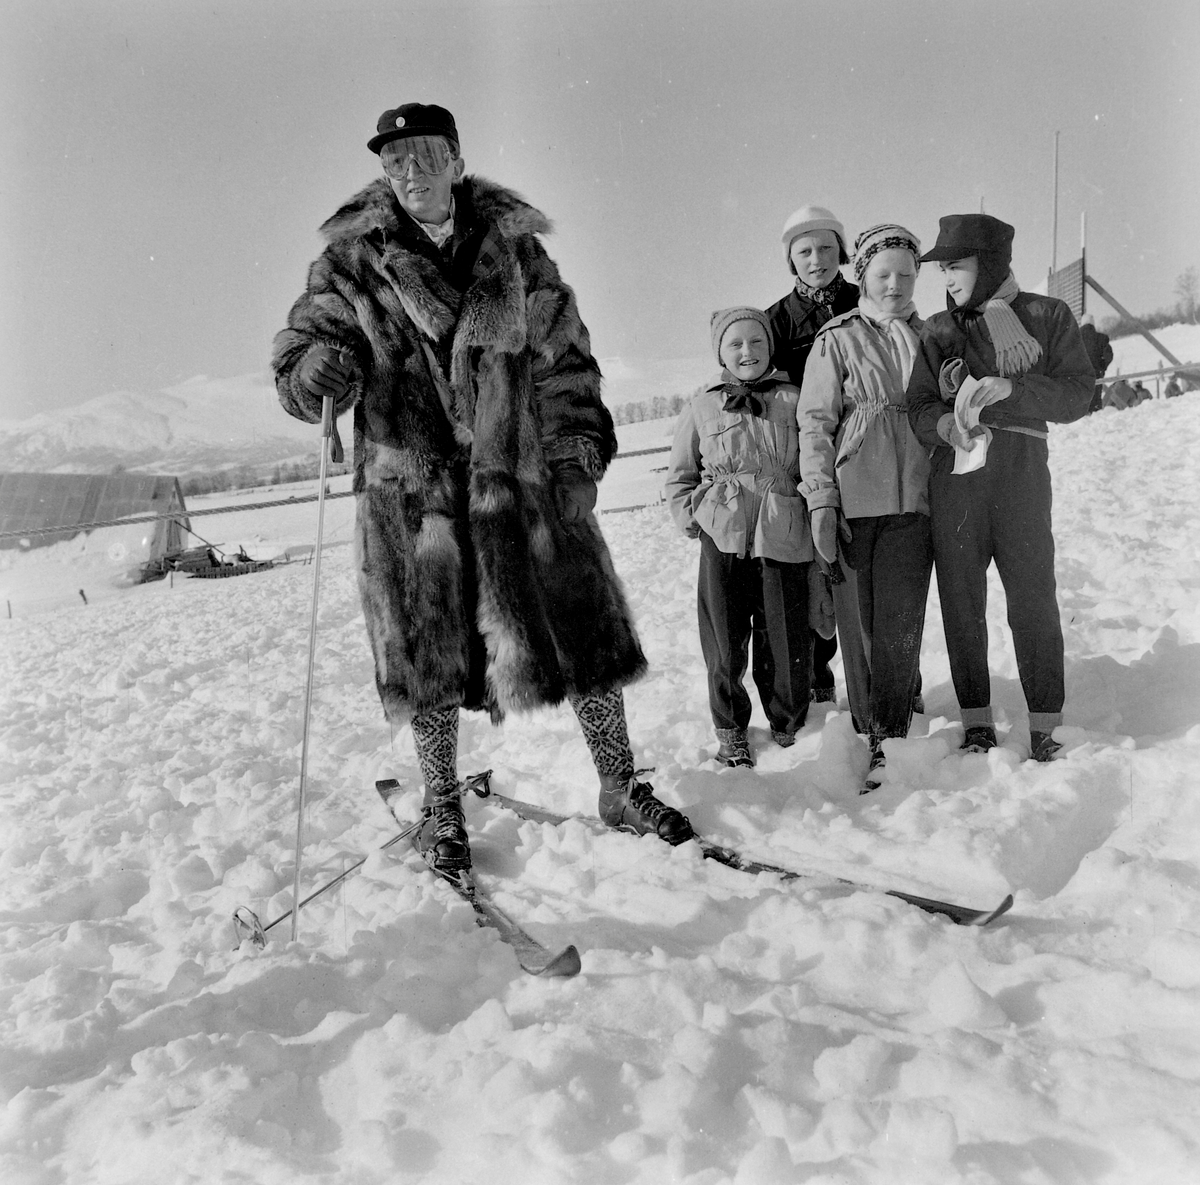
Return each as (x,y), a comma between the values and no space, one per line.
(898,329)
(869,405)
(741,396)
(437,232)
(822,296)
(1016,350)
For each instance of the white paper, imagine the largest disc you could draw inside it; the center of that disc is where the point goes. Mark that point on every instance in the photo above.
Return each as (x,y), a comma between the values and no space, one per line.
(966,417)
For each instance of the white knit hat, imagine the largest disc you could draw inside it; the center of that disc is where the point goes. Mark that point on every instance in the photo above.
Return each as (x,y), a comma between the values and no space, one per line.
(807,219)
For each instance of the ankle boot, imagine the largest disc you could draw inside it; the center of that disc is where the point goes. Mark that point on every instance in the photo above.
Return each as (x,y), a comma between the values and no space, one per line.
(979,739)
(442,839)
(1042,746)
(629,805)
(734,750)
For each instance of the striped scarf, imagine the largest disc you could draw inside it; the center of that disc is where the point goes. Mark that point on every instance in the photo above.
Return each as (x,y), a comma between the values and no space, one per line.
(1016,350)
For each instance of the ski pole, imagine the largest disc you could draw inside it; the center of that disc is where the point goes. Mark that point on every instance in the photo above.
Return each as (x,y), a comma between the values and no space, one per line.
(327,438)
(247,924)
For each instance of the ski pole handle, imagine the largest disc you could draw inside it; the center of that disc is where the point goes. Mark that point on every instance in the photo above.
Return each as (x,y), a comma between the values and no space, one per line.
(330,440)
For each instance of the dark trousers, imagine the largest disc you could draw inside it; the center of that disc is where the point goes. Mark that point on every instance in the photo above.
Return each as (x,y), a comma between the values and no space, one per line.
(892,558)
(1000,512)
(739,599)
(824,650)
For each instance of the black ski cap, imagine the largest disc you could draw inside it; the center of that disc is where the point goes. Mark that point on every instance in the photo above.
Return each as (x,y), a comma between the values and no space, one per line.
(413,119)
(963,235)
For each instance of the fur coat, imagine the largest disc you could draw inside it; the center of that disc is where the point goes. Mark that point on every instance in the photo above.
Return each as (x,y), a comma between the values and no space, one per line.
(474,382)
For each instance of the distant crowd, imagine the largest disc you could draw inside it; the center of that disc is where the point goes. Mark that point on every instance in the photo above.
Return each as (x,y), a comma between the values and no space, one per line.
(1118,393)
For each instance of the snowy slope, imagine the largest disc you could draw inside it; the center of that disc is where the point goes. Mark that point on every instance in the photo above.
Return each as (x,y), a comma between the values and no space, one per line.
(724,1028)
(1135,353)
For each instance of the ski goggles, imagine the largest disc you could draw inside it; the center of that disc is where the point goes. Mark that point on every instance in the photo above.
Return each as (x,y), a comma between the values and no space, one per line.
(432,154)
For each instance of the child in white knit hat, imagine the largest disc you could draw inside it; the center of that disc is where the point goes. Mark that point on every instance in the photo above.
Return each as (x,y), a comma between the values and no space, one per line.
(731,482)
(814,249)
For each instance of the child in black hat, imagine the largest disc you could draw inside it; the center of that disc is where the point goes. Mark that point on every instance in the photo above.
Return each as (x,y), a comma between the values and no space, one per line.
(1029,359)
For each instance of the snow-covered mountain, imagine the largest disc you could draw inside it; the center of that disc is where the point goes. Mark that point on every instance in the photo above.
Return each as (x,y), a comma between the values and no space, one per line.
(199,425)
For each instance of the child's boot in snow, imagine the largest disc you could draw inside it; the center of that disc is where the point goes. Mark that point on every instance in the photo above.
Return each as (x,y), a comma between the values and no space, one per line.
(1042,746)
(979,739)
(875,770)
(735,749)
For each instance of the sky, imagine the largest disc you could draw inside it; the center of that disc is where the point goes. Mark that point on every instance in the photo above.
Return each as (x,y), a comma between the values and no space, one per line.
(164,165)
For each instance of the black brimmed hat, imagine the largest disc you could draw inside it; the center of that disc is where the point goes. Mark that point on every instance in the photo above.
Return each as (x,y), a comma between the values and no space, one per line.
(963,235)
(413,119)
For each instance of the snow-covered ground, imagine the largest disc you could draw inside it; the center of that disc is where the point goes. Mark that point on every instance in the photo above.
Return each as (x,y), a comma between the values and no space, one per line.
(724,1028)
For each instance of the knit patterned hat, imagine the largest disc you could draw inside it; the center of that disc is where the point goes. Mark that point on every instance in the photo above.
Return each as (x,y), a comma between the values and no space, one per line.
(884,236)
(722,319)
(807,219)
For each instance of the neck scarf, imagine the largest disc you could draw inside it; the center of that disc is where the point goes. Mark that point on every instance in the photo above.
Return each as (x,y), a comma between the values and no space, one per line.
(903,339)
(1016,350)
(438,232)
(822,296)
(741,396)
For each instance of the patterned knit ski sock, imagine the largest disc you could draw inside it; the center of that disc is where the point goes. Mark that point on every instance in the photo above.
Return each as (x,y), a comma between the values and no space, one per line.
(602,718)
(436,736)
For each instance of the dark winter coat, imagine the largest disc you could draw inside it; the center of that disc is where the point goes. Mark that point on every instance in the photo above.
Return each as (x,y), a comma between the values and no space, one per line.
(474,382)
(1057,387)
(795,323)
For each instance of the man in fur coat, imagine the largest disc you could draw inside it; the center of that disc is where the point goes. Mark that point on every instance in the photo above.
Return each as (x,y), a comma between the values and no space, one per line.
(479,436)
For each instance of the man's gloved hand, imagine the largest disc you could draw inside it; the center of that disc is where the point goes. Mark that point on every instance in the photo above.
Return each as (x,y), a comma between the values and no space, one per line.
(991,390)
(949,431)
(326,371)
(827,524)
(574,492)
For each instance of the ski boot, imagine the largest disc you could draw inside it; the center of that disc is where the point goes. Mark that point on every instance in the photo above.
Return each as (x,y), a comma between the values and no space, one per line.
(629,805)
(735,749)
(979,739)
(784,738)
(442,840)
(1042,746)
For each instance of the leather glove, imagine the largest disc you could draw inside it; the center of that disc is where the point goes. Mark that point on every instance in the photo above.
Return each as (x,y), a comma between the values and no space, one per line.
(326,371)
(949,431)
(827,525)
(991,390)
(952,376)
(574,492)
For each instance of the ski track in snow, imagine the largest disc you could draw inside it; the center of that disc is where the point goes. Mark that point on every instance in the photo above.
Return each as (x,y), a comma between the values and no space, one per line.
(725,1028)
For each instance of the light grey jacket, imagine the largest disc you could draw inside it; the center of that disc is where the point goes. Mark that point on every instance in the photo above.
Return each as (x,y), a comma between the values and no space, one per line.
(733,475)
(854,371)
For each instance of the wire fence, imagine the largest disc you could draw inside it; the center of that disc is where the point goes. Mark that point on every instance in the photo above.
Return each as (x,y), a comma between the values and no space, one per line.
(181,516)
